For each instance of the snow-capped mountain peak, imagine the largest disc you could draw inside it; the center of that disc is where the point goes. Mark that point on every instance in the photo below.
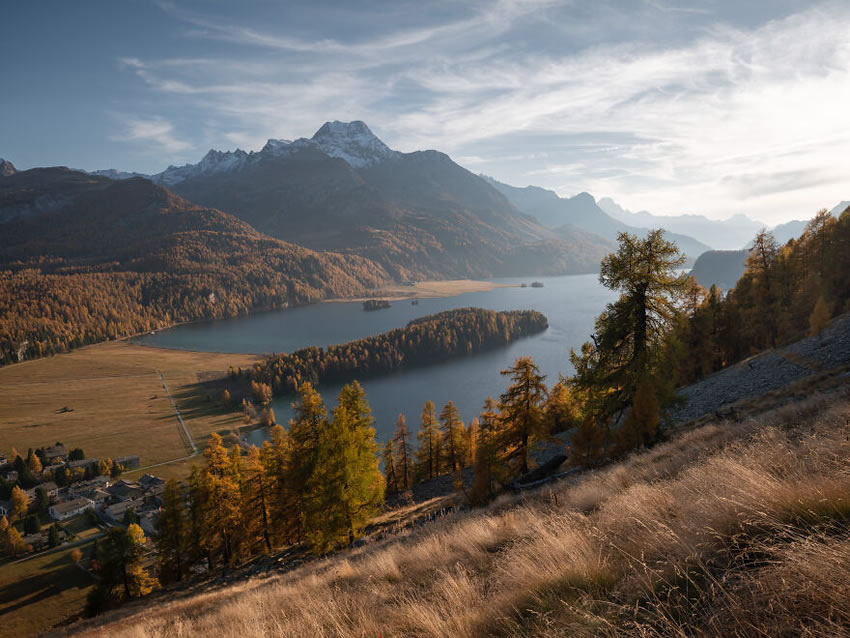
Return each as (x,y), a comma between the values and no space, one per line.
(350,141)
(353,142)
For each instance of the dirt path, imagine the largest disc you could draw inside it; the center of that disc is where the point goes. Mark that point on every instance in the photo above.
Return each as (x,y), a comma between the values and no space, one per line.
(186,436)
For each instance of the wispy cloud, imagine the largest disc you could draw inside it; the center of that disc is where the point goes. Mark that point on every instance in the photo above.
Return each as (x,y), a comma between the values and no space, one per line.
(717,123)
(157,133)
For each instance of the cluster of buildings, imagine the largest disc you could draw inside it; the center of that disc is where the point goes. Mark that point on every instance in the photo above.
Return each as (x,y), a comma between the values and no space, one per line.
(111,501)
(109,498)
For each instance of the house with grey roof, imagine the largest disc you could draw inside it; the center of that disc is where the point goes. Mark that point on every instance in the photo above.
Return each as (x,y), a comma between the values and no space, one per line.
(68,509)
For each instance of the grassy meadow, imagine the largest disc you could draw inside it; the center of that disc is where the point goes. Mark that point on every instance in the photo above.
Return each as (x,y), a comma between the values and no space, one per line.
(116,400)
(37,593)
(728,529)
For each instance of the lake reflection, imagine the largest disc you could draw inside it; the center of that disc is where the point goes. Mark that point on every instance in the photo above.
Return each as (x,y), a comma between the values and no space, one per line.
(571,304)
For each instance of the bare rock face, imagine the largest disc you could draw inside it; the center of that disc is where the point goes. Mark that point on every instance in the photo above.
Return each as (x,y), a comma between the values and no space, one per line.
(6,168)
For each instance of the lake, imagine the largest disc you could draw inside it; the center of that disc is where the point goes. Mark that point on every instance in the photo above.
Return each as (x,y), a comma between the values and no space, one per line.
(571,303)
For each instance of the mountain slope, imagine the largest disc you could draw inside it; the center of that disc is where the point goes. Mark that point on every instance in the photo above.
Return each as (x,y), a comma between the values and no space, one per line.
(840,208)
(85,258)
(728,234)
(582,211)
(418,214)
(751,516)
(6,168)
(722,268)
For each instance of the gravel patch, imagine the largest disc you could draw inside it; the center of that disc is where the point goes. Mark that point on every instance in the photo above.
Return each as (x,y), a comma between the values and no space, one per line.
(767,371)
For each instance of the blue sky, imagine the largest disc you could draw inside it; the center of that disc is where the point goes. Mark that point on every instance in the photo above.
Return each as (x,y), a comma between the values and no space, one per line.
(713,107)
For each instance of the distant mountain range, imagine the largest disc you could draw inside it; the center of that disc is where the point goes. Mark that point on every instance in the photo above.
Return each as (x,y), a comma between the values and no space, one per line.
(67,221)
(417,214)
(414,215)
(728,234)
(582,212)
(725,267)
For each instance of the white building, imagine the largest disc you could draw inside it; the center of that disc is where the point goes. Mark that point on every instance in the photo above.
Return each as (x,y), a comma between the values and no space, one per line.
(67,509)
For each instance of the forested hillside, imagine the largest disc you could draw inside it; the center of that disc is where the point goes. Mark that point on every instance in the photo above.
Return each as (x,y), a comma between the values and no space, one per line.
(785,293)
(85,259)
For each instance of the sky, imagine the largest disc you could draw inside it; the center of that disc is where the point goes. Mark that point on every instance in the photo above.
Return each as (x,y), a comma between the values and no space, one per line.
(718,107)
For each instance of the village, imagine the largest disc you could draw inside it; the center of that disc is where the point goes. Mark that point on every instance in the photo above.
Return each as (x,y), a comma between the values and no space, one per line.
(55,496)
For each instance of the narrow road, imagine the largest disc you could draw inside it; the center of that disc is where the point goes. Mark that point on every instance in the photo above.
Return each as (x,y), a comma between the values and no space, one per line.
(58,548)
(179,416)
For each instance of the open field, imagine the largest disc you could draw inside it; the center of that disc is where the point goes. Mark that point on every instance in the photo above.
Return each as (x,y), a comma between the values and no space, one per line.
(429,289)
(116,400)
(38,593)
(729,529)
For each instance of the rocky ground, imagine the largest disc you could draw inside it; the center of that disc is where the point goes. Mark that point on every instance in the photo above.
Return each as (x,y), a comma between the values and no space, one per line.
(768,371)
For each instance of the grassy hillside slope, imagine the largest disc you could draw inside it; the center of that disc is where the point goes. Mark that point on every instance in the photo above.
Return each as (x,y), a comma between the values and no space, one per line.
(729,529)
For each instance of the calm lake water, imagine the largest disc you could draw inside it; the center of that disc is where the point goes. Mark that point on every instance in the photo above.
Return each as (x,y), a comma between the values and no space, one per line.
(570,303)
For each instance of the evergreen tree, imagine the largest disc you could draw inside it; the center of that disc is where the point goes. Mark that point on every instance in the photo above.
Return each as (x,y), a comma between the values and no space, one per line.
(222,507)
(42,500)
(641,423)
(283,522)
(390,478)
(346,487)
(587,442)
(31,524)
(403,455)
(122,575)
(19,503)
(255,501)
(487,463)
(521,406)
(819,318)
(33,462)
(11,539)
(198,499)
(452,429)
(428,453)
(53,535)
(172,534)
(630,333)
(25,475)
(561,409)
(305,433)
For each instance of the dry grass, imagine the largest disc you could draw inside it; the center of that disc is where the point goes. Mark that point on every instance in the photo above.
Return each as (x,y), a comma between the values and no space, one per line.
(732,529)
(119,406)
(38,593)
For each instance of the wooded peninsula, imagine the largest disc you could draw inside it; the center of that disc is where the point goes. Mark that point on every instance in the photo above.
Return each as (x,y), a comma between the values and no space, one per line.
(422,341)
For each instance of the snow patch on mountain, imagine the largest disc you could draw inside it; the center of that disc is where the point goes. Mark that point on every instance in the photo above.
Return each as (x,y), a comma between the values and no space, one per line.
(353,142)
(350,141)
(213,162)
(6,168)
(113,173)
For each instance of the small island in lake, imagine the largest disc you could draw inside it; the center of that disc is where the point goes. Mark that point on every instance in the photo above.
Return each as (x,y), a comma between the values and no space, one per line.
(376,304)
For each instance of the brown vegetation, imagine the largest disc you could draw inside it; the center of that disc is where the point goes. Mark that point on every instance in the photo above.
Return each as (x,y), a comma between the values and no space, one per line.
(724,530)
(141,258)
(118,403)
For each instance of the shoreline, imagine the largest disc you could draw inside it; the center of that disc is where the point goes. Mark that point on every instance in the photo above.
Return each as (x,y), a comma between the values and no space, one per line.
(431,289)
